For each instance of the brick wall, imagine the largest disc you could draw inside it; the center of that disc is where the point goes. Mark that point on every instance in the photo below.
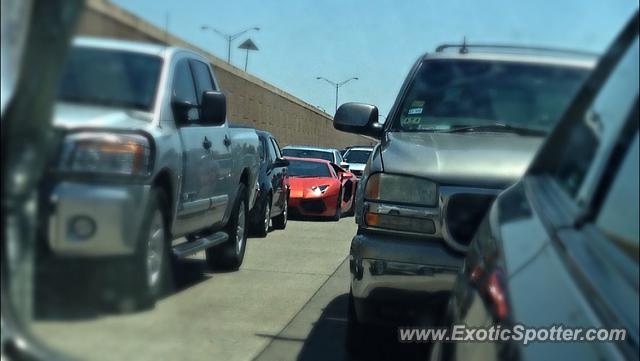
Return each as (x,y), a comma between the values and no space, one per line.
(251,101)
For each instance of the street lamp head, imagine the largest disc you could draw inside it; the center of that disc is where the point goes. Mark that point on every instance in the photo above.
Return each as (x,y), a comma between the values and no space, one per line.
(318,77)
(204,27)
(256,28)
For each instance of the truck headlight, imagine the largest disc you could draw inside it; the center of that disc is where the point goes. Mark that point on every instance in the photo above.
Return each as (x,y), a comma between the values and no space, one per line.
(393,188)
(106,153)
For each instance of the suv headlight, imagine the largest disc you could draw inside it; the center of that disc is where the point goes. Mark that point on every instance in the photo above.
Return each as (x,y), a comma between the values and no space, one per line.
(393,188)
(106,153)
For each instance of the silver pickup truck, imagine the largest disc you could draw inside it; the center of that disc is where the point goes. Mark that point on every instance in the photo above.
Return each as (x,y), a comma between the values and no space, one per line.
(147,157)
(464,127)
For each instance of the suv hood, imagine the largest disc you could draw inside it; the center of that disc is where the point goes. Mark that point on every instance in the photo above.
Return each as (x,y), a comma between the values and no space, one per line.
(486,160)
(68,115)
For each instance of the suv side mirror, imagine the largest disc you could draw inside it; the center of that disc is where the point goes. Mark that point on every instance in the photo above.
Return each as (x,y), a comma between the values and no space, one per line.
(280,162)
(213,110)
(358,118)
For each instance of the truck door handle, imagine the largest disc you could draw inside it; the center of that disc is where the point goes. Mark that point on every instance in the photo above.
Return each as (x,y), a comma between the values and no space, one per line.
(227,141)
(206,143)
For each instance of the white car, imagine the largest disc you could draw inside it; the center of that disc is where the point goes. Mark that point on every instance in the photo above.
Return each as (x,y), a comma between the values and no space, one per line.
(305,151)
(357,158)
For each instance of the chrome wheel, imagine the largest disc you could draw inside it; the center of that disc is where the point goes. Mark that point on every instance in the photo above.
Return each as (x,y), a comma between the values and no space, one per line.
(240,228)
(155,250)
(285,212)
(267,216)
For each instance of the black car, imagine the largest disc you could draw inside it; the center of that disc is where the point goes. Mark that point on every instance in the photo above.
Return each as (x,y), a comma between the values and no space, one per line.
(270,210)
(560,247)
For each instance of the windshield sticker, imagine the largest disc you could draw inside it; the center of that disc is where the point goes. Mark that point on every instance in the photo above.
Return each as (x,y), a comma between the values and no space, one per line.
(417,104)
(414,111)
(411,121)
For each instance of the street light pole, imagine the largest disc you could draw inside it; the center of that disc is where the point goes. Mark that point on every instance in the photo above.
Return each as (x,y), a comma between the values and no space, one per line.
(337,85)
(228,37)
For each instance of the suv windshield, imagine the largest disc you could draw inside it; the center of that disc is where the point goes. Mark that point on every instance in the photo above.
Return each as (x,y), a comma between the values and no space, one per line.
(111,78)
(300,168)
(450,94)
(357,156)
(308,153)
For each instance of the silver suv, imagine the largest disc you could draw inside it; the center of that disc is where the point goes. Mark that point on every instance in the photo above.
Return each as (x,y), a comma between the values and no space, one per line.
(465,126)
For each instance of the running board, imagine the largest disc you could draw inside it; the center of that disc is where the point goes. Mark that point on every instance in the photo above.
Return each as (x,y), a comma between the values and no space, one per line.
(188,248)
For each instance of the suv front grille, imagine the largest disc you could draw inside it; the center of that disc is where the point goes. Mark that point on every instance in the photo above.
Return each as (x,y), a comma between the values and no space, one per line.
(464,213)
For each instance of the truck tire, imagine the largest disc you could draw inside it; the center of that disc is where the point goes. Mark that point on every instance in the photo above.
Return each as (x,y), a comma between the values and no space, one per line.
(149,269)
(230,254)
(280,222)
(263,224)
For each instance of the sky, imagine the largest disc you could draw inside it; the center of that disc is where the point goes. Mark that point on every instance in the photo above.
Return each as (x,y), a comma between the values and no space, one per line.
(376,40)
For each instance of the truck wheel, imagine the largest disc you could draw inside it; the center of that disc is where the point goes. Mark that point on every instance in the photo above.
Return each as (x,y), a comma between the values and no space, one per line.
(229,255)
(150,267)
(280,222)
(262,227)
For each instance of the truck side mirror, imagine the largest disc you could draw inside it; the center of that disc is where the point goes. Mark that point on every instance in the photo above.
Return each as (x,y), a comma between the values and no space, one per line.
(213,110)
(181,110)
(358,118)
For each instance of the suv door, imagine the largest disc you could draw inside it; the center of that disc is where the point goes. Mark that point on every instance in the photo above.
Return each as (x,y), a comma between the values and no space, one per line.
(218,184)
(198,163)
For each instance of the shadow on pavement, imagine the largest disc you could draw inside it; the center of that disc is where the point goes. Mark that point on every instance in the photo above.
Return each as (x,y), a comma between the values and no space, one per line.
(74,291)
(331,338)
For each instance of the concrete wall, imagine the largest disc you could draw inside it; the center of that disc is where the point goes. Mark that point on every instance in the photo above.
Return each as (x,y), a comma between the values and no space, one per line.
(251,101)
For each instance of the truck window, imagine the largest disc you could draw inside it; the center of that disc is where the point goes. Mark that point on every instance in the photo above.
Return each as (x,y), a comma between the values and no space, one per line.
(202,76)
(111,78)
(183,87)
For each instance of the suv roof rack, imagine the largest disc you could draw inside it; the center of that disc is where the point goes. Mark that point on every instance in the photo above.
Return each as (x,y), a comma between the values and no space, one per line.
(464,48)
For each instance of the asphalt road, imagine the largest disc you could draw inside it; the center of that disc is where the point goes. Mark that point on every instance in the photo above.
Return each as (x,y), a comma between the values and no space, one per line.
(287,302)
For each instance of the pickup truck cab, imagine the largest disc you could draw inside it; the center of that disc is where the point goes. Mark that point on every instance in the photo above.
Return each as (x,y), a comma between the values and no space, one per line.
(465,126)
(147,157)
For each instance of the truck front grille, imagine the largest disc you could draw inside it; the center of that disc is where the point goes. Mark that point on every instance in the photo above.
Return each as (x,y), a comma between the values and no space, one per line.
(463,215)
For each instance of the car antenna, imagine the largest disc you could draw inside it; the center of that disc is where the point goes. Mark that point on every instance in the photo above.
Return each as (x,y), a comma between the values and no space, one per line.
(463,48)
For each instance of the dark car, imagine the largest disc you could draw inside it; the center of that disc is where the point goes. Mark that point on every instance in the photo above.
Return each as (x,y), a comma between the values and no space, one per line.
(272,201)
(560,247)
(465,126)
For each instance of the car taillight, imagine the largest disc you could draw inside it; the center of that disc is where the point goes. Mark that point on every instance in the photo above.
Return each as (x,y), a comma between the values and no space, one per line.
(496,293)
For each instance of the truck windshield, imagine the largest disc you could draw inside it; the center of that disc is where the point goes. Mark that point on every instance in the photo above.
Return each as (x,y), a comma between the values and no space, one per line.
(307,153)
(450,94)
(302,169)
(357,156)
(111,78)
